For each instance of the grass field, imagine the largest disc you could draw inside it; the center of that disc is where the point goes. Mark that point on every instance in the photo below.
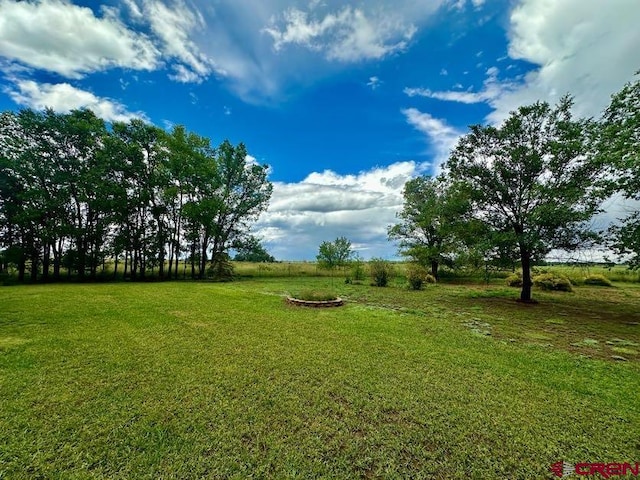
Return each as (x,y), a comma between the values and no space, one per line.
(204,380)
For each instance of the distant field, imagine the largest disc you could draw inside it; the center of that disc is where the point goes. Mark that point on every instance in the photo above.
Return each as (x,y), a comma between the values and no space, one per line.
(205,380)
(576,273)
(618,273)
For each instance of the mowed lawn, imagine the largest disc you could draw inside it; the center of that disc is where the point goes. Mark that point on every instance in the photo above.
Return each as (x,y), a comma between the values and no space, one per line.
(204,380)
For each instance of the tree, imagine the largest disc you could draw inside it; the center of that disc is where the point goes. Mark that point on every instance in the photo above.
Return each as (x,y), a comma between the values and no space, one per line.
(431,213)
(75,191)
(242,194)
(531,180)
(334,254)
(619,150)
(250,249)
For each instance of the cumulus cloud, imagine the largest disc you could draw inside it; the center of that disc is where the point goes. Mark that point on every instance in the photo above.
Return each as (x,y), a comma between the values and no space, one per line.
(348,35)
(327,205)
(70,40)
(578,47)
(63,97)
(193,40)
(581,47)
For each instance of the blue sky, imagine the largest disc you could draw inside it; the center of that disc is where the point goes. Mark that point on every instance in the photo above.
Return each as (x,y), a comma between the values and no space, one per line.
(345,101)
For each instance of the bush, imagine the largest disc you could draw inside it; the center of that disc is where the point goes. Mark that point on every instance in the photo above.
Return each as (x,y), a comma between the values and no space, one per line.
(357,270)
(416,276)
(514,280)
(553,281)
(599,280)
(221,268)
(315,295)
(381,271)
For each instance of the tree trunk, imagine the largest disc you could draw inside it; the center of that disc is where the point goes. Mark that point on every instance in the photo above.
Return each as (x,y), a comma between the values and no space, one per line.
(126,264)
(193,260)
(434,269)
(22,266)
(57,260)
(46,261)
(525,257)
(170,266)
(82,257)
(34,267)
(203,258)
(161,262)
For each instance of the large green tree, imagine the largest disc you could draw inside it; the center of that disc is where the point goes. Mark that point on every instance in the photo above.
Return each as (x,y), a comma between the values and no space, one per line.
(242,194)
(74,191)
(619,149)
(429,228)
(532,180)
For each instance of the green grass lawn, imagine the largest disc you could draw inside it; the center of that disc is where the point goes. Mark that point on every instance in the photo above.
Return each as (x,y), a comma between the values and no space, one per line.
(202,380)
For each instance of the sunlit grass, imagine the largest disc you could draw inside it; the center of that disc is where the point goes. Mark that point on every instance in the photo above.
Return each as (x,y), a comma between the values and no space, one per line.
(201,380)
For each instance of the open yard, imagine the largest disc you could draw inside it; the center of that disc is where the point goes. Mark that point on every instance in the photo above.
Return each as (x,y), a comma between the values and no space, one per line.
(204,380)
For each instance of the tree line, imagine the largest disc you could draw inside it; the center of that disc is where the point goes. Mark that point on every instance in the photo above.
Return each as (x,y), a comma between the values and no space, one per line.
(511,194)
(76,192)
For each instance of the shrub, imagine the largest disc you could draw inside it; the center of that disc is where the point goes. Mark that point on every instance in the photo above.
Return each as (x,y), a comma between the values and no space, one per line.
(381,271)
(315,295)
(357,270)
(553,281)
(599,280)
(416,276)
(514,280)
(221,268)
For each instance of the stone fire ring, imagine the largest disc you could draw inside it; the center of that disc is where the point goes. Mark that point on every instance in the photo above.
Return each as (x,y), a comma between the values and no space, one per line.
(316,304)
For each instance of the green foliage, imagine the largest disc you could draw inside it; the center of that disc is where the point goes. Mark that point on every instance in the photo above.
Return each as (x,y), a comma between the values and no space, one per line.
(514,280)
(619,151)
(334,254)
(315,295)
(430,222)
(531,181)
(221,268)
(416,276)
(598,280)
(250,249)
(357,272)
(381,271)
(74,193)
(553,281)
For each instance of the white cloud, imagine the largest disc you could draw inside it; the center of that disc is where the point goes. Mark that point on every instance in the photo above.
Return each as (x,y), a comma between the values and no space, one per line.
(349,35)
(70,40)
(183,75)
(583,47)
(461,4)
(440,135)
(63,97)
(174,27)
(492,89)
(327,205)
(374,83)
